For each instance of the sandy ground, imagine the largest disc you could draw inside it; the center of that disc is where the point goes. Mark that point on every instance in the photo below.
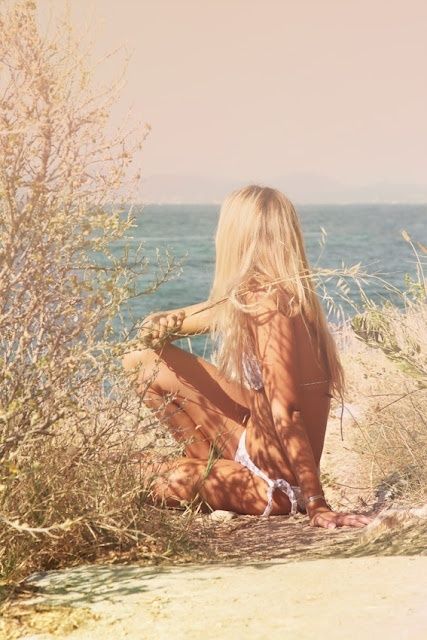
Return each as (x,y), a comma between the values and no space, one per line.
(268,578)
(342,599)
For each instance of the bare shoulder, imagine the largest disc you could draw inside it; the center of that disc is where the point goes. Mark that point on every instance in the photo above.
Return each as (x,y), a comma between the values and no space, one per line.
(264,305)
(269,322)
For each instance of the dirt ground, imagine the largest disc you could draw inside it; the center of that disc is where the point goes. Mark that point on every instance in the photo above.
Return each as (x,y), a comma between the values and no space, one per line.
(263,578)
(338,599)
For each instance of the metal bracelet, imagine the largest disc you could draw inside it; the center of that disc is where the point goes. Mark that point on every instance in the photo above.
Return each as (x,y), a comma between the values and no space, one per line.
(320,496)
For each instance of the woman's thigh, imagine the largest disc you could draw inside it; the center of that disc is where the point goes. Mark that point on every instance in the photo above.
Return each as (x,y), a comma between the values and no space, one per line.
(218,407)
(224,484)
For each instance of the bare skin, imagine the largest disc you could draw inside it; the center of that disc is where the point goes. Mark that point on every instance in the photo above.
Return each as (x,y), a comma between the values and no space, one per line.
(285,421)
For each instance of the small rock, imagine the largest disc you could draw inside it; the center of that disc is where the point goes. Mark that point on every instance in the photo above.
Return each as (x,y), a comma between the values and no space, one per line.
(219,515)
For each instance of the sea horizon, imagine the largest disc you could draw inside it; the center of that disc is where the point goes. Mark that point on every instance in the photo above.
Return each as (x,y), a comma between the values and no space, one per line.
(296,203)
(334,235)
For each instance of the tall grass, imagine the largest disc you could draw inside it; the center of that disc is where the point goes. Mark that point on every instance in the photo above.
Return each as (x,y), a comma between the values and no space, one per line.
(387,374)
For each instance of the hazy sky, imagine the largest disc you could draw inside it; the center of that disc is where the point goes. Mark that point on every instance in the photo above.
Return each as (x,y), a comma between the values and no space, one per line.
(253,89)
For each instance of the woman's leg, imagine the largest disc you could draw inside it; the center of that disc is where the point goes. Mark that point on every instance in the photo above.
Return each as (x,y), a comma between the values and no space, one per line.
(199,405)
(224,484)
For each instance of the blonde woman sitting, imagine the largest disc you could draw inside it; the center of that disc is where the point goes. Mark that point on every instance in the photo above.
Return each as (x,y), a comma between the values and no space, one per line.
(253,425)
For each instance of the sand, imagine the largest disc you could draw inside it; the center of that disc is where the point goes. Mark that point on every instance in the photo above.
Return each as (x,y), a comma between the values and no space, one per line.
(342,599)
(269,578)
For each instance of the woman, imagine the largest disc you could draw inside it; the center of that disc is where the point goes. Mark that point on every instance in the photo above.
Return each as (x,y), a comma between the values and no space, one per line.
(253,425)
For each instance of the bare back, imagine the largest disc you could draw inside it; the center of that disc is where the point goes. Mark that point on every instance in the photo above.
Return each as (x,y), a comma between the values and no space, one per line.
(293,373)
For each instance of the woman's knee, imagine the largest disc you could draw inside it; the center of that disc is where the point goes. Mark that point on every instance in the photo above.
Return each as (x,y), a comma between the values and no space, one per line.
(144,366)
(176,483)
(133,359)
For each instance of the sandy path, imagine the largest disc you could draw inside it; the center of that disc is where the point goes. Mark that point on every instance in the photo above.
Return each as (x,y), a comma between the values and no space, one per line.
(342,599)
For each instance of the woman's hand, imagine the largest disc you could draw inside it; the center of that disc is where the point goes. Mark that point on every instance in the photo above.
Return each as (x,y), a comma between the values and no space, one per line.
(331,519)
(158,327)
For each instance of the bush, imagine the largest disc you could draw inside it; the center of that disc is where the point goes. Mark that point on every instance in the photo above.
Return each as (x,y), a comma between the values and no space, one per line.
(67,424)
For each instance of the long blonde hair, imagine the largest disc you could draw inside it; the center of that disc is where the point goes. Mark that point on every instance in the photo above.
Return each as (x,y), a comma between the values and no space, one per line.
(259,240)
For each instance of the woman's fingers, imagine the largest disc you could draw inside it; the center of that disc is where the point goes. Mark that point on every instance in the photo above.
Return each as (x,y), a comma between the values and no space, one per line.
(175,320)
(331,520)
(355,519)
(180,319)
(163,326)
(320,521)
(149,332)
(156,327)
(171,321)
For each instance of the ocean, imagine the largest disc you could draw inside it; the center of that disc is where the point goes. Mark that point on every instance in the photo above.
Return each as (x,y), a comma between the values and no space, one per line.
(369,234)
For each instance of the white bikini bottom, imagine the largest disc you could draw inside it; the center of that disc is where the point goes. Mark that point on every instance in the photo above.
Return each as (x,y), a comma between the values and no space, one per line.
(293,493)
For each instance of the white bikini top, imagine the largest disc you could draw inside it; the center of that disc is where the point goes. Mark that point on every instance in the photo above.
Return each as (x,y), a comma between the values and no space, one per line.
(252,371)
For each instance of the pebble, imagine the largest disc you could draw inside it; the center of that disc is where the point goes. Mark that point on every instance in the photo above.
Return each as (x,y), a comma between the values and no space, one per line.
(219,515)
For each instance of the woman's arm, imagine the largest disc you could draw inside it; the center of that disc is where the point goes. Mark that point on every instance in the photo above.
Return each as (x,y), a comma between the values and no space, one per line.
(276,344)
(176,323)
(277,349)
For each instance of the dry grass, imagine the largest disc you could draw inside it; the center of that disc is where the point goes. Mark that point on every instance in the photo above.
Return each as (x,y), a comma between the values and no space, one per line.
(77,497)
(68,490)
(385,358)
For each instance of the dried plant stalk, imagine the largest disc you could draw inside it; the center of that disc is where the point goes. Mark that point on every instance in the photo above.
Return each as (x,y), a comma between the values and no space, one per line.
(68,423)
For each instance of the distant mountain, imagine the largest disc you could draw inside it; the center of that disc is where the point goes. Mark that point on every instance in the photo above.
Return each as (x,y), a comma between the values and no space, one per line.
(303,188)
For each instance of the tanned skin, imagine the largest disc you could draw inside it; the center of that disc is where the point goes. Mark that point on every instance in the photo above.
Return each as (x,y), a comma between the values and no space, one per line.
(285,421)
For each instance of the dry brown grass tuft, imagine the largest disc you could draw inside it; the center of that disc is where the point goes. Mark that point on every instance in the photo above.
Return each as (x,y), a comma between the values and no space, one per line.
(385,358)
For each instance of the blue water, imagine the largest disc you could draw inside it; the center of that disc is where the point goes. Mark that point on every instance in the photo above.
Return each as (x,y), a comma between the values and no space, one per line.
(370,234)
